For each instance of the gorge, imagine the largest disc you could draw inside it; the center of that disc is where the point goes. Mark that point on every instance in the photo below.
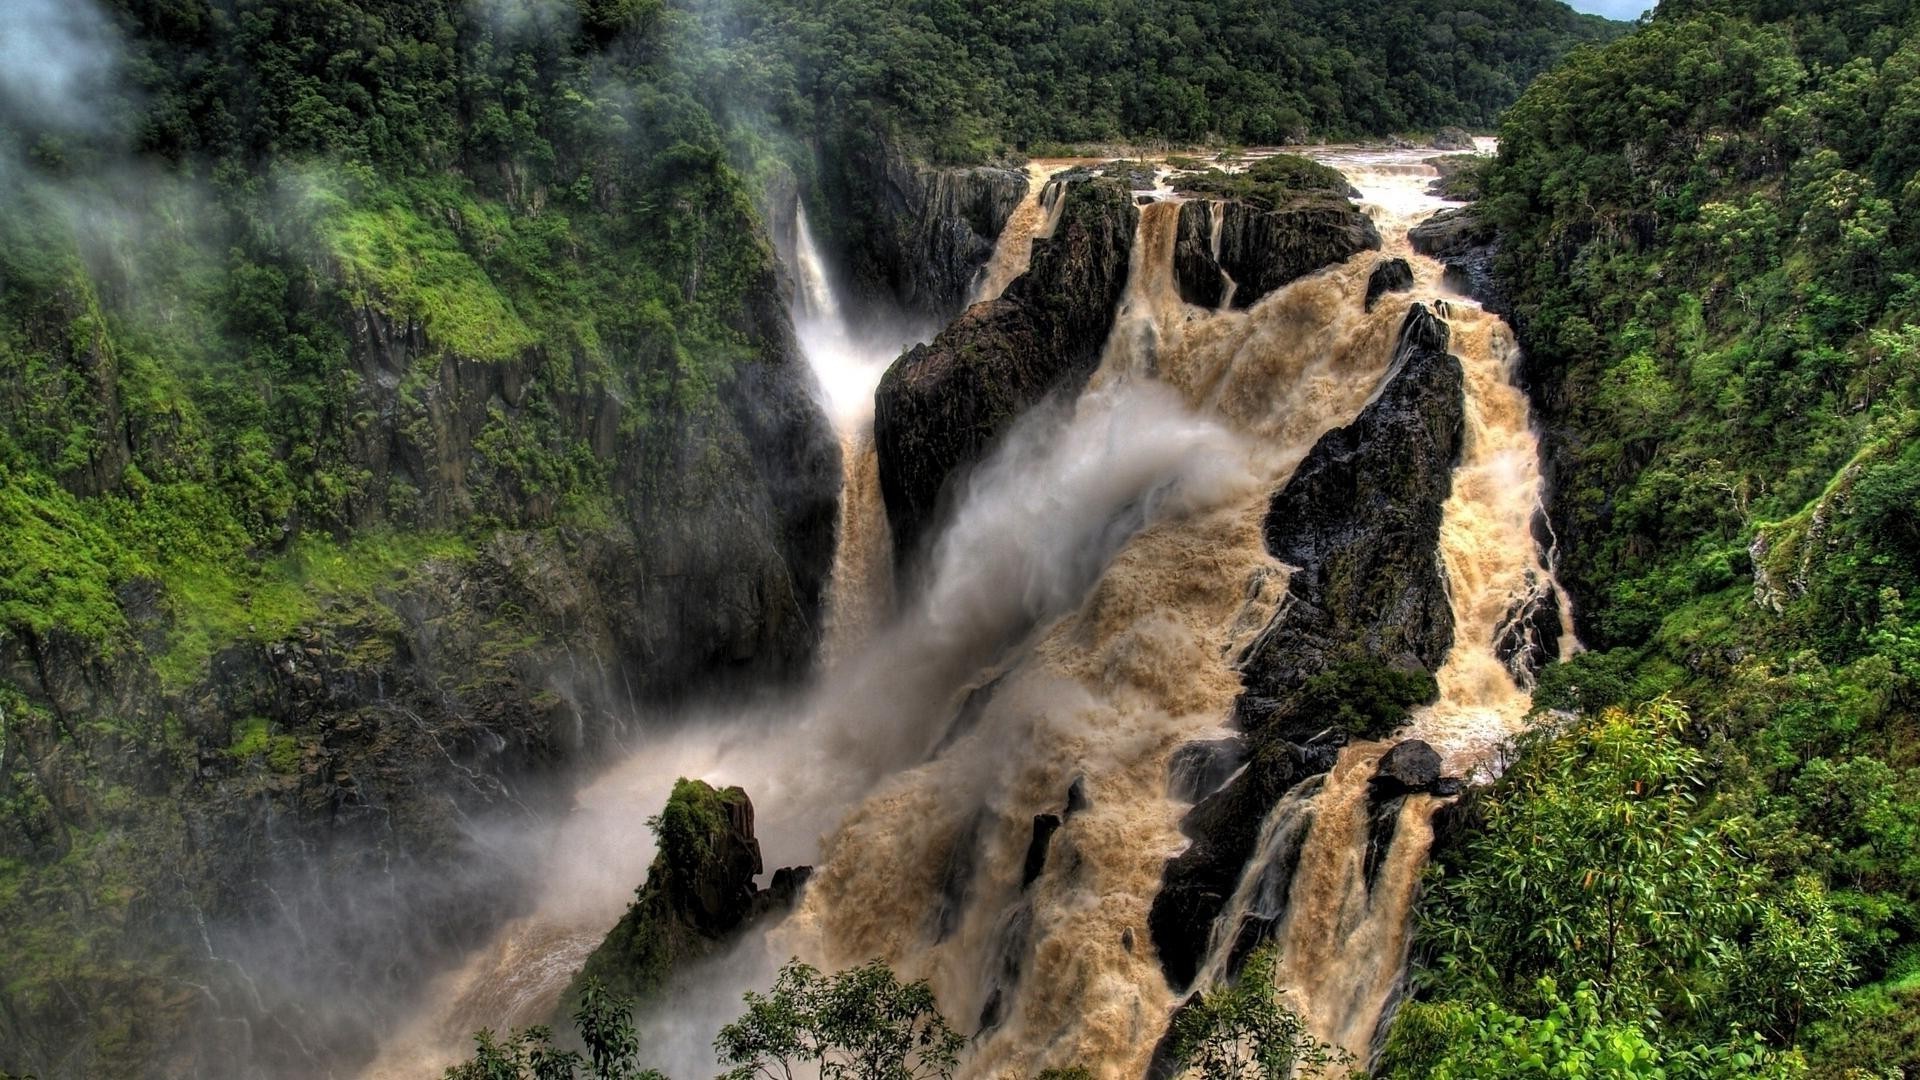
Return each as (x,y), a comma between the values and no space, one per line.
(1113,585)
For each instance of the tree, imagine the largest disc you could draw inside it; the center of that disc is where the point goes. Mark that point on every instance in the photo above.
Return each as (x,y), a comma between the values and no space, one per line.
(861,1024)
(1243,1032)
(1592,865)
(605,1024)
(1574,1040)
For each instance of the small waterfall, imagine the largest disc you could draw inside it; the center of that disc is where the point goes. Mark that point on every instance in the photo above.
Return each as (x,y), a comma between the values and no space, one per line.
(1033,219)
(815,299)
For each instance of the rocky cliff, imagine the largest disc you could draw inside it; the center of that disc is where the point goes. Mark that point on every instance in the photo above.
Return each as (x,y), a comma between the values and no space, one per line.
(281,813)
(1233,252)
(911,236)
(1364,623)
(941,406)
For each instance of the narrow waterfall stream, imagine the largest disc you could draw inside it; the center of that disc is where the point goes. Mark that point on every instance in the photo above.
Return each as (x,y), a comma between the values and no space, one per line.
(1080,620)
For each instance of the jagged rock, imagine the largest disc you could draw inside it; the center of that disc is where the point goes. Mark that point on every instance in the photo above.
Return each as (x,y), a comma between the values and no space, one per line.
(1391,276)
(1383,822)
(1467,247)
(1044,826)
(699,894)
(1199,769)
(1451,232)
(1360,523)
(956,877)
(1262,250)
(1077,799)
(1453,138)
(940,408)
(1448,786)
(1528,635)
(1412,765)
(911,235)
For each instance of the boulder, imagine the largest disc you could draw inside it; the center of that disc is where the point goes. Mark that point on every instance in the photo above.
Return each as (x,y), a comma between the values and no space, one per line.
(1391,276)
(941,407)
(699,895)
(1452,138)
(1411,765)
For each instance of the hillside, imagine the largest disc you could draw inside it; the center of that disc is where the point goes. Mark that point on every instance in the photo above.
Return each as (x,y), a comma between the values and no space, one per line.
(1707,241)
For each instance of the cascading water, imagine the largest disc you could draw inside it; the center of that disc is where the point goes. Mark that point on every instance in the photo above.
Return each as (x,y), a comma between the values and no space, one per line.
(1080,622)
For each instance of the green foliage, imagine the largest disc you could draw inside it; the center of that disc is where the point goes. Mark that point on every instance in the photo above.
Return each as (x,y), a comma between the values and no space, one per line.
(1364,697)
(962,80)
(861,1024)
(1243,1032)
(605,1026)
(1590,866)
(1576,1040)
(1270,182)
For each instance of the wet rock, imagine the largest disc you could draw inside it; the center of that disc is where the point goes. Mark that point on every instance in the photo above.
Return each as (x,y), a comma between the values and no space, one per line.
(1199,769)
(940,408)
(1391,276)
(1448,786)
(1467,247)
(1383,823)
(1077,799)
(1528,635)
(1360,523)
(1044,826)
(956,878)
(1412,765)
(1451,233)
(1262,250)
(1452,138)
(910,235)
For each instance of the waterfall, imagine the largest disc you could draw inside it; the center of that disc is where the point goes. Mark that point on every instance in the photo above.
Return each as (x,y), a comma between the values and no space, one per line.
(1079,622)
(1033,219)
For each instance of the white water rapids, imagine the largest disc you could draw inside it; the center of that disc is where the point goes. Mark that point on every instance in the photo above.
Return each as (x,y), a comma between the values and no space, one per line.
(1086,602)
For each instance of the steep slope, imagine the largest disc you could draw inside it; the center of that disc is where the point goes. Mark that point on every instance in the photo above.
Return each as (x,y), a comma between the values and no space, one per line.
(1706,237)
(392,438)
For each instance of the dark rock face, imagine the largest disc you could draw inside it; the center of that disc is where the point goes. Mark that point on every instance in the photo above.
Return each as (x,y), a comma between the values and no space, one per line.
(1262,250)
(1410,766)
(1391,276)
(1528,635)
(699,894)
(940,407)
(1044,826)
(1466,246)
(315,837)
(910,235)
(1199,769)
(1360,523)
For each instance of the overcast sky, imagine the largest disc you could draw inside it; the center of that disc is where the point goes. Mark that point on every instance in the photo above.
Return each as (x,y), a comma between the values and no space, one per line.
(1613,9)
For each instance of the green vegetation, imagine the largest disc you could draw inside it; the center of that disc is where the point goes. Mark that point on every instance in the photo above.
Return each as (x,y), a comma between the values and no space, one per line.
(1270,182)
(859,1024)
(1243,1032)
(1711,234)
(604,1023)
(965,80)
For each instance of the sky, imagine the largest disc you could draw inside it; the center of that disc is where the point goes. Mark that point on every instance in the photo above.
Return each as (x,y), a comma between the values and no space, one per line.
(1613,9)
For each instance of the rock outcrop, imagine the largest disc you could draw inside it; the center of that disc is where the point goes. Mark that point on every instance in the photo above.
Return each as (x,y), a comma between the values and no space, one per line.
(911,235)
(1466,245)
(1391,276)
(1261,250)
(699,894)
(1360,523)
(940,408)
